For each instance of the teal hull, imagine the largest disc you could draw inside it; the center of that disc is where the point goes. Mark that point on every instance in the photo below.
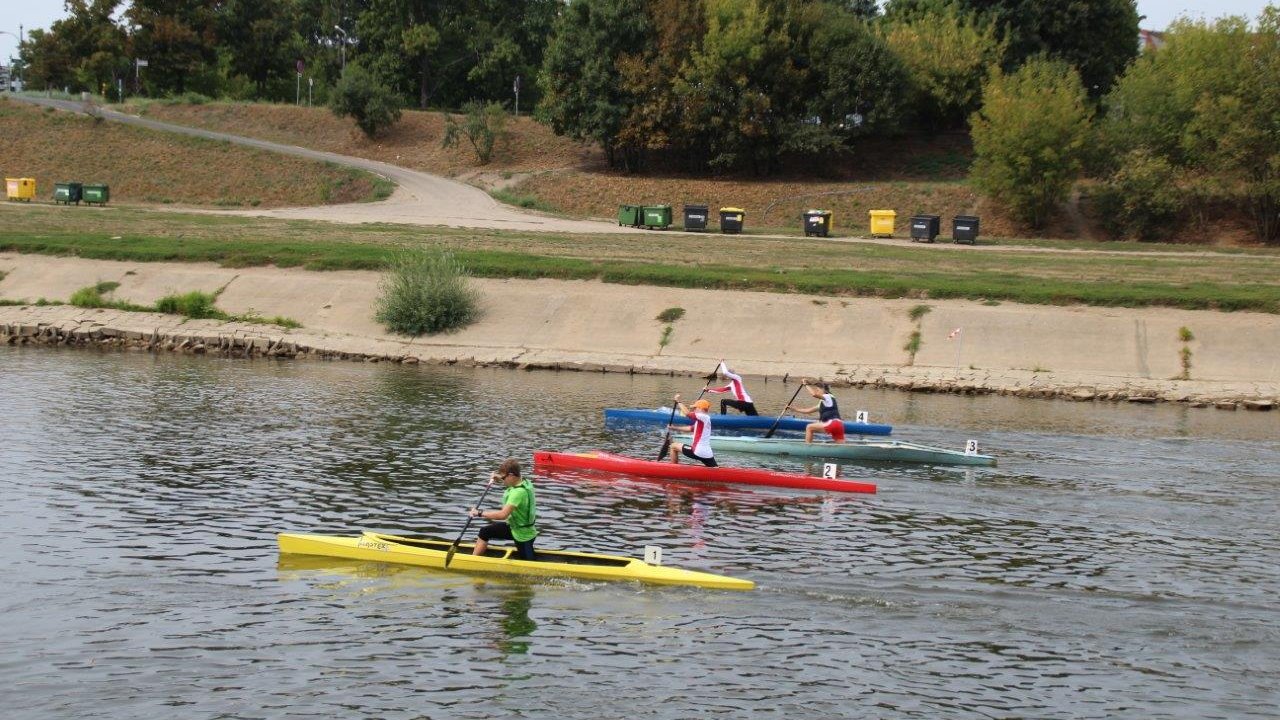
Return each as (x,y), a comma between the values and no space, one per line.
(885,450)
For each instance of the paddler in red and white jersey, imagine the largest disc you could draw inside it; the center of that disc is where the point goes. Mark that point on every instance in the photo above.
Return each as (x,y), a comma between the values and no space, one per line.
(828,413)
(741,400)
(700,448)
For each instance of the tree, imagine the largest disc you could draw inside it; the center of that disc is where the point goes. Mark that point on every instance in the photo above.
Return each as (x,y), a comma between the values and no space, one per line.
(1206,103)
(261,41)
(948,55)
(738,88)
(1030,138)
(358,95)
(178,40)
(84,51)
(676,28)
(1098,37)
(483,125)
(584,95)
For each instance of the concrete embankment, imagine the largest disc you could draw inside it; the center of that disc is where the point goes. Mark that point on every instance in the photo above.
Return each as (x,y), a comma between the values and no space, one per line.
(1232,359)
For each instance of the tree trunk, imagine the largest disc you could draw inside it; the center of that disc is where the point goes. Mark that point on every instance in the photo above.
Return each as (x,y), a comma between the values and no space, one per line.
(423,94)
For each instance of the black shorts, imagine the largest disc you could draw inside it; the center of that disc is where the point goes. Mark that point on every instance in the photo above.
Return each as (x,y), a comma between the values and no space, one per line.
(502,531)
(686,451)
(746,408)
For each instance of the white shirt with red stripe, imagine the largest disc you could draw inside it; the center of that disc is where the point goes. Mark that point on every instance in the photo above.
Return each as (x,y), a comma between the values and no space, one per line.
(701,443)
(735,385)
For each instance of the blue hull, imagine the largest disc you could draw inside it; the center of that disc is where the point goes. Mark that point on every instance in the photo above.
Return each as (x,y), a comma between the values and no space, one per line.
(741,422)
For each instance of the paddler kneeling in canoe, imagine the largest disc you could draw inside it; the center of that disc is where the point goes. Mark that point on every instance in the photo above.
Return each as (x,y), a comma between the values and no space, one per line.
(828,413)
(700,448)
(517,517)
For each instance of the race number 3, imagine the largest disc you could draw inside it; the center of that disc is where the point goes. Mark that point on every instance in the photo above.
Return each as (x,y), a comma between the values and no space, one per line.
(862,416)
(829,470)
(971,447)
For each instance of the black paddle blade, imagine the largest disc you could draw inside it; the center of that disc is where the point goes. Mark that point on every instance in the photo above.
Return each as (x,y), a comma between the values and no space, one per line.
(666,445)
(448,558)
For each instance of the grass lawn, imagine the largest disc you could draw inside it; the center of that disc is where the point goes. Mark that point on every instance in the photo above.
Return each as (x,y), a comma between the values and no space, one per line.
(1055,273)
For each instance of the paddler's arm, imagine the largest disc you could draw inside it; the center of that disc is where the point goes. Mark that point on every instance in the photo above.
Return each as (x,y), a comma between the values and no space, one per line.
(803,411)
(502,514)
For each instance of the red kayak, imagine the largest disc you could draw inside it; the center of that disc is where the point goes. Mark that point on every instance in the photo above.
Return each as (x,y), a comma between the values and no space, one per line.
(600,460)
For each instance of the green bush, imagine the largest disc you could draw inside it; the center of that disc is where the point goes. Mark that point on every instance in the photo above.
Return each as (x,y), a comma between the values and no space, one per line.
(427,291)
(483,125)
(1141,198)
(195,304)
(360,96)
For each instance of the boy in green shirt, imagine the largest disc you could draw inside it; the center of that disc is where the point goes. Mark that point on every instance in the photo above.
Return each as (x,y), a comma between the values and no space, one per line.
(517,517)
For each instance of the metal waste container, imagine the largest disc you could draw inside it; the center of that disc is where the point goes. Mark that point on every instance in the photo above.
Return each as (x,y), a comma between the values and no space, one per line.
(964,229)
(695,217)
(67,192)
(629,215)
(23,189)
(731,220)
(882,222)
(96,194)
(656,217)
(924,228)
(817,222)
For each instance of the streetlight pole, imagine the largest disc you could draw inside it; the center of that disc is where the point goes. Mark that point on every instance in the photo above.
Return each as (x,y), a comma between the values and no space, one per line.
(344,47)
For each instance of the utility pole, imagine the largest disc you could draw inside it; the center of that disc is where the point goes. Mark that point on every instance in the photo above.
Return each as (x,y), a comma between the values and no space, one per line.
(516,87)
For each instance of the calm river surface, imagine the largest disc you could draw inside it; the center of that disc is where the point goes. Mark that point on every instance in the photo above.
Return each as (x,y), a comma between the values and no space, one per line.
(1121,562)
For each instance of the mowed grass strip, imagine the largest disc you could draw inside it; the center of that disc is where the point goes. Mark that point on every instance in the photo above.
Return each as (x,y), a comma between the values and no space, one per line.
(147,166)
(1227,281)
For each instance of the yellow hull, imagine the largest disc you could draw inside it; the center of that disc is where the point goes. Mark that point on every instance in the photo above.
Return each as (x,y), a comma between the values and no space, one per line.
(377,547)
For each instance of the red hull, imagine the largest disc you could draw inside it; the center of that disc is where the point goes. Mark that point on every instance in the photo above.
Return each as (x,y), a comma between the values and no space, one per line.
(608,462)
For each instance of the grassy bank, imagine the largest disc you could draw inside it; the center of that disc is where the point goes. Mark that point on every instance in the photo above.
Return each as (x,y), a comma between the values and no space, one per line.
(1048,275)
(146,166)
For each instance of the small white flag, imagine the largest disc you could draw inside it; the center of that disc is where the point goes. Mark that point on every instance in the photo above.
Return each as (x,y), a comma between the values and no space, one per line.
(953,334)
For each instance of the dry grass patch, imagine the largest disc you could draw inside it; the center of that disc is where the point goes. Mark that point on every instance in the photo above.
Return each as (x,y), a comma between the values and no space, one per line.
(146,166)
(413,143)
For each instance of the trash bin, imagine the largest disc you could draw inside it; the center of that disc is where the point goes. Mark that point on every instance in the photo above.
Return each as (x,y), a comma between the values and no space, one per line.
(23,189)
(817,222)
(731,220)
(882,222)
(97,193)
(925,227)
(656,217)
(964,229)
(67,192)
(695,217)
(629,215)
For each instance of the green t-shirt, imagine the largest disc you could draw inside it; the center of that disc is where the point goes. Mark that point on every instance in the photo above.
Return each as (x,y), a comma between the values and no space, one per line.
(524,516)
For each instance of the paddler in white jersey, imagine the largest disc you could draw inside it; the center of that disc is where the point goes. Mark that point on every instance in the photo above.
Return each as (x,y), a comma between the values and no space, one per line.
(700,448)
(741,400)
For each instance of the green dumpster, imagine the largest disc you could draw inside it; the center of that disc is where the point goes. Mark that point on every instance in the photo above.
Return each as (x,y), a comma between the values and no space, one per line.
(657,216)
(67,192)
(629,215)
(96,194)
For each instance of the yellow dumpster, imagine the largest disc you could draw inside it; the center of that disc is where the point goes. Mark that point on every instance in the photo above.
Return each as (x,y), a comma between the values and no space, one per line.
(882,222)
(20,188)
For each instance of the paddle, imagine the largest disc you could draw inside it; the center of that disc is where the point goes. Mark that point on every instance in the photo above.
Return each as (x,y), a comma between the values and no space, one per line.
(448,558)
(784,412)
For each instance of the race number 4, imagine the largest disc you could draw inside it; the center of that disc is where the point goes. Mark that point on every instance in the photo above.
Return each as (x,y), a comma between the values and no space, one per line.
(862,417)
(971,447)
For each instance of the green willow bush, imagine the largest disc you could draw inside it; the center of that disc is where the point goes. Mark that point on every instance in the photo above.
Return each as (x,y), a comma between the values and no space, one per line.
(427,291)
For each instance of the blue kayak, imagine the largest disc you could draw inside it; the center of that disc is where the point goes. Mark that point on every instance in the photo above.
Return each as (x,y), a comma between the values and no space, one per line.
(739,422)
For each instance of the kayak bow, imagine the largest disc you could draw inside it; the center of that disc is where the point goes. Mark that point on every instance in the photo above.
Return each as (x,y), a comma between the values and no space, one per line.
(608,462)
(430,552)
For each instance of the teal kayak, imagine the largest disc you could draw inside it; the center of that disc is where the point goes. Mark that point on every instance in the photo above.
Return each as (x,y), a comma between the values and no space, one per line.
(853,449)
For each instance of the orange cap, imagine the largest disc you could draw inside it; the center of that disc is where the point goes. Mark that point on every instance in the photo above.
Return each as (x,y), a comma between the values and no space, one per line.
(703,404)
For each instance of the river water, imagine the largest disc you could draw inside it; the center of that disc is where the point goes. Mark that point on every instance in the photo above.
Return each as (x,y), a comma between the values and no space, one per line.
(1119,562)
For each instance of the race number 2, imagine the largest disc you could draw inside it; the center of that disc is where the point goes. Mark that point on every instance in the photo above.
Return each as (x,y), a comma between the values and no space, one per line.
(829,470)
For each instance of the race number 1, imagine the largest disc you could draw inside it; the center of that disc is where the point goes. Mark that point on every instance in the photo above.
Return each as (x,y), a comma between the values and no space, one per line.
(829,470)
(862,417)
(971,447)
(653,554)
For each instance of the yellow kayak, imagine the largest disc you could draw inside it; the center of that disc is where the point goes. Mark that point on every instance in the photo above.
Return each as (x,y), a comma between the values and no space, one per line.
(430,552)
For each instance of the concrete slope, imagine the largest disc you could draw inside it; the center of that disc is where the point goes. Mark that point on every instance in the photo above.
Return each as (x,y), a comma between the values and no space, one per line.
(420,198)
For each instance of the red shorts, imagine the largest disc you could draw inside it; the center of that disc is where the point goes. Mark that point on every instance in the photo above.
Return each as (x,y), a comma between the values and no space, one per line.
(835,427)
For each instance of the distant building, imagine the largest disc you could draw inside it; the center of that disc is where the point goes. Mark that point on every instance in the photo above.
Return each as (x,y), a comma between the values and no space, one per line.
(1149,40)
